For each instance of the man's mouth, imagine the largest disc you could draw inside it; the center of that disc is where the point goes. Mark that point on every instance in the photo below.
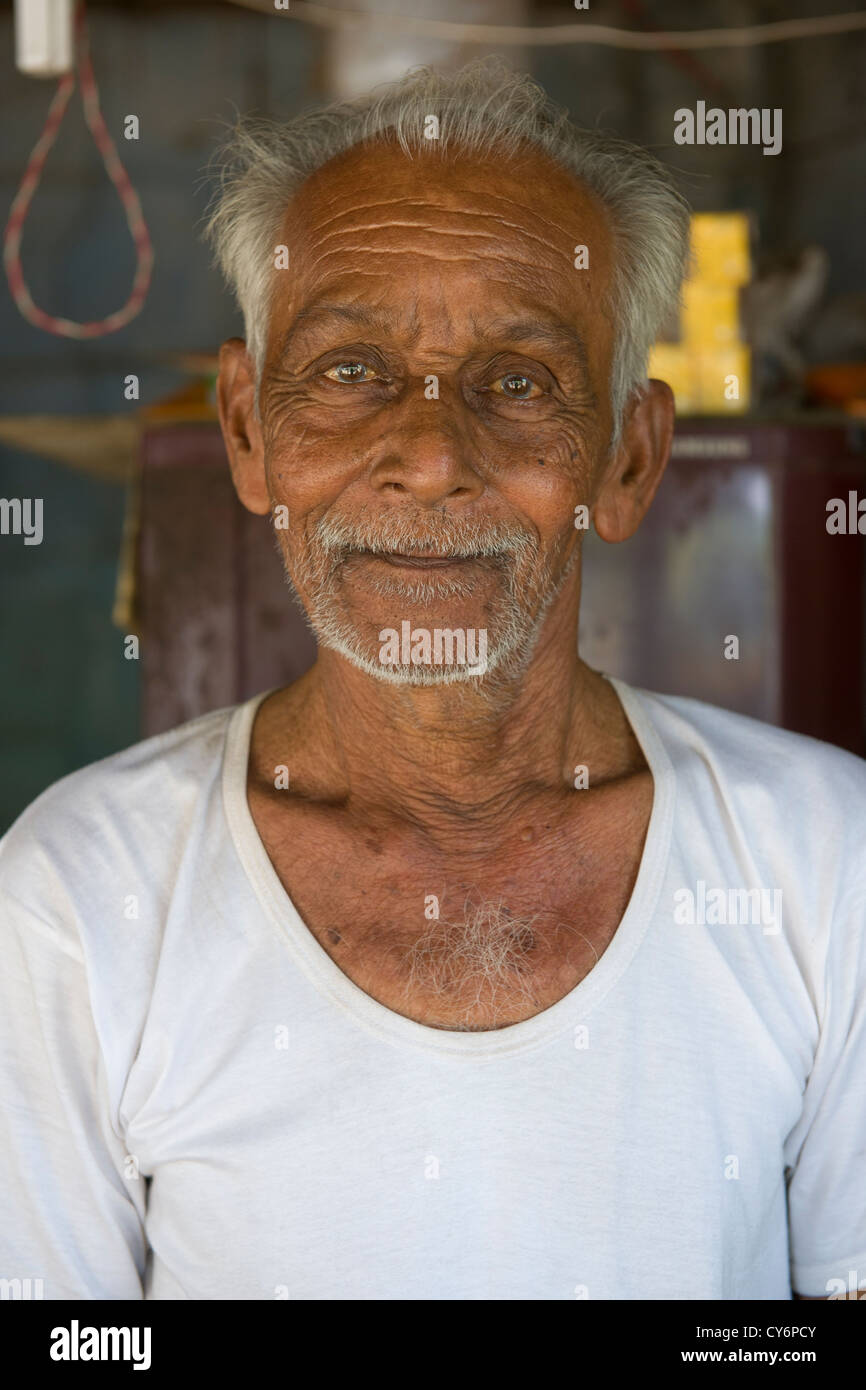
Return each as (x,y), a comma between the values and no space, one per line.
(418,560)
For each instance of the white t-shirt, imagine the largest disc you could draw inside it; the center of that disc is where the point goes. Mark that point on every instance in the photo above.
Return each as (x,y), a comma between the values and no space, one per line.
(198,1103)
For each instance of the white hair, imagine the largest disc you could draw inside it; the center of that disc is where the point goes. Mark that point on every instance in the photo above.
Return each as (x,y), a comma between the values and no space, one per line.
(485,107)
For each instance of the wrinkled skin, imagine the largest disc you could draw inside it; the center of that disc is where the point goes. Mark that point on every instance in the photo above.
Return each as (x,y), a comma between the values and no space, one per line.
(466,268)
(462,269)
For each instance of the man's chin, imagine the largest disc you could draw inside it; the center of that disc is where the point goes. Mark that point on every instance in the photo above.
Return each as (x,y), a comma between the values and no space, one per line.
(369,620)
(417,644)
(419,677)
(425,626)
(423,651)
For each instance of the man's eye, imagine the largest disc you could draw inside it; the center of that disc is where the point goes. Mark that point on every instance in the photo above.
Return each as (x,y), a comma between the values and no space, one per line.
(517,387)
(351,372)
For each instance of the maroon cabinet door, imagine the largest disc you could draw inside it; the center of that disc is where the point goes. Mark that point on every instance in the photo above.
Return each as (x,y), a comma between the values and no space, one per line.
(218,619)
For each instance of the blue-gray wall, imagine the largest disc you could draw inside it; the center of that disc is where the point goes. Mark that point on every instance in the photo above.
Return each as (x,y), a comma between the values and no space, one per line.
(67,695)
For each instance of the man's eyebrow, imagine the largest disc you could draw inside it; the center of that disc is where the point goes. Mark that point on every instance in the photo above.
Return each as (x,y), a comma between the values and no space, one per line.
(557,334)
(363,315)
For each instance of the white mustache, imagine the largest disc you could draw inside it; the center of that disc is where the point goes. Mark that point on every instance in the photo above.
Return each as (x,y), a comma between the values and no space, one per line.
(406,536)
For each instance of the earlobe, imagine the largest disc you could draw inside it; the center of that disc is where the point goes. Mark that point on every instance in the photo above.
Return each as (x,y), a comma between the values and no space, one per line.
(631,477)
(240,429)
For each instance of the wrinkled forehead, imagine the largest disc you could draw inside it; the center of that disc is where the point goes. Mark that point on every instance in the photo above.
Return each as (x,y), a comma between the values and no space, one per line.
(467,227)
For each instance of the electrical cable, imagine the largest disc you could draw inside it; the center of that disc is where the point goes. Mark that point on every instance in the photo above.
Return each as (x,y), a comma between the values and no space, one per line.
(778,31)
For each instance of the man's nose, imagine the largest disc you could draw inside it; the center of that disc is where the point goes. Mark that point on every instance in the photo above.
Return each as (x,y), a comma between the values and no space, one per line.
(427,455)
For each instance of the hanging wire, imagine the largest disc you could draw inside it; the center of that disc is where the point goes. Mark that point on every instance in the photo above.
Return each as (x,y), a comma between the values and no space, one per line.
(68,328)
(538,36)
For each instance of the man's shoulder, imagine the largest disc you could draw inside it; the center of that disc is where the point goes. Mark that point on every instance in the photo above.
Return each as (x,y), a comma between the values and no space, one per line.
(142,794)
(743,739)
(780,776)
(181,754)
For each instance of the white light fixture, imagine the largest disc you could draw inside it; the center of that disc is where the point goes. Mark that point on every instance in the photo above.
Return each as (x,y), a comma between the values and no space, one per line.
(356,61)
(43,37)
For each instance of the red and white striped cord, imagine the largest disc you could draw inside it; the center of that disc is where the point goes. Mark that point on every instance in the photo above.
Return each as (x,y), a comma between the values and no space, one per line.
(67,328)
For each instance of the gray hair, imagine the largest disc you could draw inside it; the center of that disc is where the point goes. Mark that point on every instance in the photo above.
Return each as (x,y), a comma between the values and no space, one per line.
(484,107)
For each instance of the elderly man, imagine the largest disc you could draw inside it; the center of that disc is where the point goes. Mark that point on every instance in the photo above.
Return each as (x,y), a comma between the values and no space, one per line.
(455,970)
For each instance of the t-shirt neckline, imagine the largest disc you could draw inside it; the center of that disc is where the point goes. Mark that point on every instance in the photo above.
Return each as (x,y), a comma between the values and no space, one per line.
(329,980)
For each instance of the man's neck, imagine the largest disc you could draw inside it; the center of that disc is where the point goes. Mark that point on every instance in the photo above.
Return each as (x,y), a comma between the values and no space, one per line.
(454,758)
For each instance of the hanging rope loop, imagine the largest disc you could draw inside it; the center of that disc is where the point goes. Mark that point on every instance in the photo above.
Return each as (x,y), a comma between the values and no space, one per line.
(67,328)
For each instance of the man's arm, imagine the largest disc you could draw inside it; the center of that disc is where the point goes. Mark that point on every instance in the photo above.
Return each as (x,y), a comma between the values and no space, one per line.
(71,1220)
(826,1148)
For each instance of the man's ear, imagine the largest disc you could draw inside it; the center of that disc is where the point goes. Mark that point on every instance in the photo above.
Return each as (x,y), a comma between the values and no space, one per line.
(633,473)
(242,433)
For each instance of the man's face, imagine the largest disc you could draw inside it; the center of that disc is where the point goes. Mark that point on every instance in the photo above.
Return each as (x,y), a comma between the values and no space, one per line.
(435,398)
